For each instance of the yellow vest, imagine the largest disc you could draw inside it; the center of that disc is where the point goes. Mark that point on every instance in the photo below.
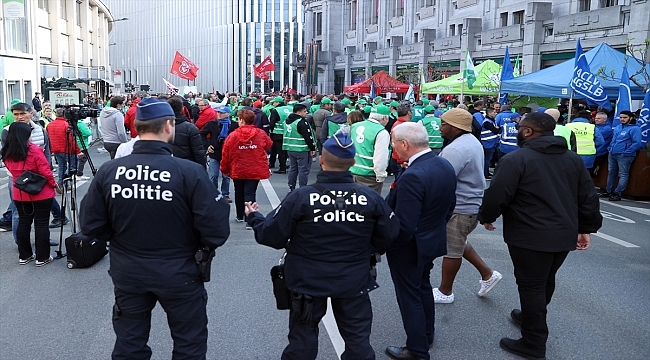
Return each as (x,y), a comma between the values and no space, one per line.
(584,137)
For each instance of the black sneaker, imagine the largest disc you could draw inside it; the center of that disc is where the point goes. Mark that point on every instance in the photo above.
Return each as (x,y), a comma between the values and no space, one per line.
(6,225)
(615,197)
(27,261)
(280,172)
(57,222)
(604,195)
(227,198)
(44,262)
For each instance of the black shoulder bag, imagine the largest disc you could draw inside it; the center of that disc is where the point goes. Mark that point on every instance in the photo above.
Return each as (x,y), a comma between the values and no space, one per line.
(30,182)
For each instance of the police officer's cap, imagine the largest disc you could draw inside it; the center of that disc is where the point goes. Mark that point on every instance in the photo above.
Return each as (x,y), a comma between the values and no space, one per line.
(340,145)
(152,108)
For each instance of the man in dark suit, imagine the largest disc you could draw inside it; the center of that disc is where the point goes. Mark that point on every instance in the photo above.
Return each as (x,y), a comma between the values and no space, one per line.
(423,200)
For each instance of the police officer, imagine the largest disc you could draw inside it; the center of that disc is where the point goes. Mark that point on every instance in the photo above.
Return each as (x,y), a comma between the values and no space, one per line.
(125,204)
(357,221)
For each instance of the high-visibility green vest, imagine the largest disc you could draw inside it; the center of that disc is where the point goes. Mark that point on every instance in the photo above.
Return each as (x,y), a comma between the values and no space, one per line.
(584,137)
(333,127)
(432,124)
(293,140)
(417,113)
(364,134)
(565,132)
(283,113)
(267,109)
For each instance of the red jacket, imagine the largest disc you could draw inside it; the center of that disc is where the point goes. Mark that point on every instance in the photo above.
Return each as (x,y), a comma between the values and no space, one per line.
(204,116)
(58,130)
(35,162)
(244,154)
(129,118)
(400,120)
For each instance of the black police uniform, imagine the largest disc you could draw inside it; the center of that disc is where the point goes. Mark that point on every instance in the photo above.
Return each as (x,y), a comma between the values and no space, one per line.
(328,256)
(156,210)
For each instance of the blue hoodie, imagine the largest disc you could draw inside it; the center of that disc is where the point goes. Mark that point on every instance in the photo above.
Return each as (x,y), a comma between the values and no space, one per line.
(606,131)
(626,140)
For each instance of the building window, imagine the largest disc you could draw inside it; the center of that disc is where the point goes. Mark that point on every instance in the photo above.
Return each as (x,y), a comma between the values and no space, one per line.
(44,4)
(608,3)
(518,17)
(504,19)
(63,7)
(460,30)
(584,5)
(452,30)
(373,17)
(354,8)
(399,8)
(427,3)
(77,11)
(548,31)
(16,34)
(318,24)
(416,37)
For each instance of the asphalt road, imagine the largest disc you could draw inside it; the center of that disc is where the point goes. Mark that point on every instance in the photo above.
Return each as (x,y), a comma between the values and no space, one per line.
(600,309)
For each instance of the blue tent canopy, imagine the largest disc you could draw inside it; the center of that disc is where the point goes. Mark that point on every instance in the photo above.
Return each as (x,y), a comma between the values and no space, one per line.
(554,81)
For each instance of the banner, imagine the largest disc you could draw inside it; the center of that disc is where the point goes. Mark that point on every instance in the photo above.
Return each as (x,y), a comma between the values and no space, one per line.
(644,118)
(172,89)
(266,65)
(507,73)
(410,94)
(14,9)
(586,84)
(624,101)
(260,74)
(373,91)
(183,67)
(469,74)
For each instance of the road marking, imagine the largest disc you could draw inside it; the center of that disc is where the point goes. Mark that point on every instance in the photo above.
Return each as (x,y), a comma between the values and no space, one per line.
(615,240)
(616,217)
(631,208)
(270,193)
(328,320)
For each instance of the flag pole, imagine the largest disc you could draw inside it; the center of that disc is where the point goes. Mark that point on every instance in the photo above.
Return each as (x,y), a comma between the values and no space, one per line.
(568,117)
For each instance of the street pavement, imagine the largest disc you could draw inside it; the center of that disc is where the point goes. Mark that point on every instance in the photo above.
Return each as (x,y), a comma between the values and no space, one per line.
(600,309)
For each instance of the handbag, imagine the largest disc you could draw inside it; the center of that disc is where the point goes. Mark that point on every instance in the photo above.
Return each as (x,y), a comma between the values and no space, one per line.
(30,182)
(280,289)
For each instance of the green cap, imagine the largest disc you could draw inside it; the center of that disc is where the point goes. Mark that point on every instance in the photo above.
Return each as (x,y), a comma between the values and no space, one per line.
(346,101)
(313,108)
(254,98)
(243,95)
(362,102)
(367,109)
(429,109)
(326,101)
(378,98)
(394,103)
(426,101)
(381,110)
(279,99)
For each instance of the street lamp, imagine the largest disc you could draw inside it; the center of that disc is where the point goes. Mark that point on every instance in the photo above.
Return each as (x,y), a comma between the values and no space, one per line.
(112,44)
(116,20)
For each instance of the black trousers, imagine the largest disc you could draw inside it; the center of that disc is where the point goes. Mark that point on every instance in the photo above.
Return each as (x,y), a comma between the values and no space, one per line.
(186,315)
(414,297)
(278,153)
(37,212)
(535,274)
(111,148)
(245,190)
(354,320)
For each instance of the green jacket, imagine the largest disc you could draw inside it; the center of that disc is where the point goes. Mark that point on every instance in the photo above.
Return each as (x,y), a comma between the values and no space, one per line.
(85,133)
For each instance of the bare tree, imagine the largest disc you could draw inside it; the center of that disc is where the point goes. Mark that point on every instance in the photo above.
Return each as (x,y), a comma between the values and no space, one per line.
(640,54)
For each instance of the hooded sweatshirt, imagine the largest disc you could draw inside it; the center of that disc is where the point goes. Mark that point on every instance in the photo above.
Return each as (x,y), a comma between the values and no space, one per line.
(111,121)
(244,154)
(129,118)
(340,119)
(626,140)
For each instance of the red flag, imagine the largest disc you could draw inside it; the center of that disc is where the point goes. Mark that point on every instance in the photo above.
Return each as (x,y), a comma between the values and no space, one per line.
(266,65)
(183,67)
(260,74)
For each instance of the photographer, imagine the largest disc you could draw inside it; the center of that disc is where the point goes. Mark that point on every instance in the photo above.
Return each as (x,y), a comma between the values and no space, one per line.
(63,144)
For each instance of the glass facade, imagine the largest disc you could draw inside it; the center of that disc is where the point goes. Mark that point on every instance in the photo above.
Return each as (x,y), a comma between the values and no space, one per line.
(224,38)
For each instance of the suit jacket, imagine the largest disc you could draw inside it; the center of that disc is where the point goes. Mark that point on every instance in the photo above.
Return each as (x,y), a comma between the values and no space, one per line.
(423,199)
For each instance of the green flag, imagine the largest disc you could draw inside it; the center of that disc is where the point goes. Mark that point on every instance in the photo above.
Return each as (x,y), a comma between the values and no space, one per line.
(469,74)
(515,71)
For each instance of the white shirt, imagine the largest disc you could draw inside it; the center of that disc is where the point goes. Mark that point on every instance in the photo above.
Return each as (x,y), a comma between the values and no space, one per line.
(126,148)
(417,155)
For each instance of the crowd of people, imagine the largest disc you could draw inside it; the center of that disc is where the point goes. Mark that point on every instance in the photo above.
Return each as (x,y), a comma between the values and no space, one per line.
(438,153)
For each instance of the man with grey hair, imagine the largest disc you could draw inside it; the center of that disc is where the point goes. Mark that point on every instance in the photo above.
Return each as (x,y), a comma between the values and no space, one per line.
(423,200)
(371,142)
(604,126)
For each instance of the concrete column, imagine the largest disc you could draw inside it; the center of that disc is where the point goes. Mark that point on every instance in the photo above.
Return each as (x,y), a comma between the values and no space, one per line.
(639,27)
(536,14)
(55,35)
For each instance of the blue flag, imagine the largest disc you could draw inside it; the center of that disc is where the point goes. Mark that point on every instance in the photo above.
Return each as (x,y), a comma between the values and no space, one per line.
(586,84)
(373,92)
(624,101)
(507,73)
(644,118)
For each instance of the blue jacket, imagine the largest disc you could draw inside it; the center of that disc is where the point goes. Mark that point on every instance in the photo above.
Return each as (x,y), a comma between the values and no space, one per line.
(599,142)
(626,140)
(423,199)
(505,116)
(606,131)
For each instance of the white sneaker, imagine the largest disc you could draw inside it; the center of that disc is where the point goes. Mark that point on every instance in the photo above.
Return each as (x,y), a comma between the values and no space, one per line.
(101,150)
(440,298)
(487,285)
